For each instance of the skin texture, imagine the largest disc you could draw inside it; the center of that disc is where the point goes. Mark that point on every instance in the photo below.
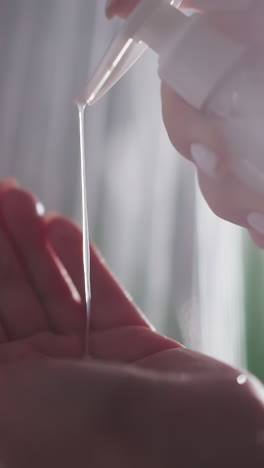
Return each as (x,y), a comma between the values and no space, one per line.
(225,195)
(137,399)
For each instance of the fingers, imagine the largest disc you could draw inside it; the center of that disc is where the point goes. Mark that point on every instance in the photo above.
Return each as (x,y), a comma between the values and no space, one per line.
(119,331)
(20,310)
(187,127)
(47,277)
(193,134)
(110,306)
(123,8)
(66,240)
(241,19)
(198,139)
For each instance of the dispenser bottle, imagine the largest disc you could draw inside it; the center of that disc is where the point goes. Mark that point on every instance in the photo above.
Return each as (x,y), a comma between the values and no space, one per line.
(212,72)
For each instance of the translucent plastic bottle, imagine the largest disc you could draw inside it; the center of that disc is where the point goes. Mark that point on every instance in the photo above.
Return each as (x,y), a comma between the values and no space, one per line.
(214,73)
(225,80)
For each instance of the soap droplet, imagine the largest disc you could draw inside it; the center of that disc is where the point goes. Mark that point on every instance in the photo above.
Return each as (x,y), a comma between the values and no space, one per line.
(241,380)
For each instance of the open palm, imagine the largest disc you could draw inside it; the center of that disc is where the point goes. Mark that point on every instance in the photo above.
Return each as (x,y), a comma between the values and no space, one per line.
(42,310)
(42,306)
(42,317)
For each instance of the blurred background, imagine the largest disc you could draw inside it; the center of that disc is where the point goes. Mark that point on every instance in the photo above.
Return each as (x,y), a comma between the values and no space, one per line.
(198,278)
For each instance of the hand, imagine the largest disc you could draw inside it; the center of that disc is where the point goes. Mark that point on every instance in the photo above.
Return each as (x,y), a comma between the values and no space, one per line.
(43,316)
(42,309)
(189,129)
(39,313)
(90,413)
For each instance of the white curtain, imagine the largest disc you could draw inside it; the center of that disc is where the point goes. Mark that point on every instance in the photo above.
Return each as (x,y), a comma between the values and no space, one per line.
(181,264)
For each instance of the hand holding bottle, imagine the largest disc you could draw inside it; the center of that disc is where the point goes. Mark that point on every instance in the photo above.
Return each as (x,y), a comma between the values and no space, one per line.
(224,138)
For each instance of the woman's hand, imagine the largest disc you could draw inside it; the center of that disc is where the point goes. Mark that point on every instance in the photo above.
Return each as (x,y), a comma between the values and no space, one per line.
(195,136)
(167,405)
(43,326)
(42,305)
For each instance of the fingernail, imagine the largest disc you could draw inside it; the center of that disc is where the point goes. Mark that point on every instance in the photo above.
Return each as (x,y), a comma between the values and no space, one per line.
(205,159)
(222,4)
(256,222)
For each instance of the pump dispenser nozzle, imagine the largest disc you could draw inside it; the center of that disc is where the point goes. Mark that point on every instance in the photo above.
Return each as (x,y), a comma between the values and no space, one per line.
(126,48)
